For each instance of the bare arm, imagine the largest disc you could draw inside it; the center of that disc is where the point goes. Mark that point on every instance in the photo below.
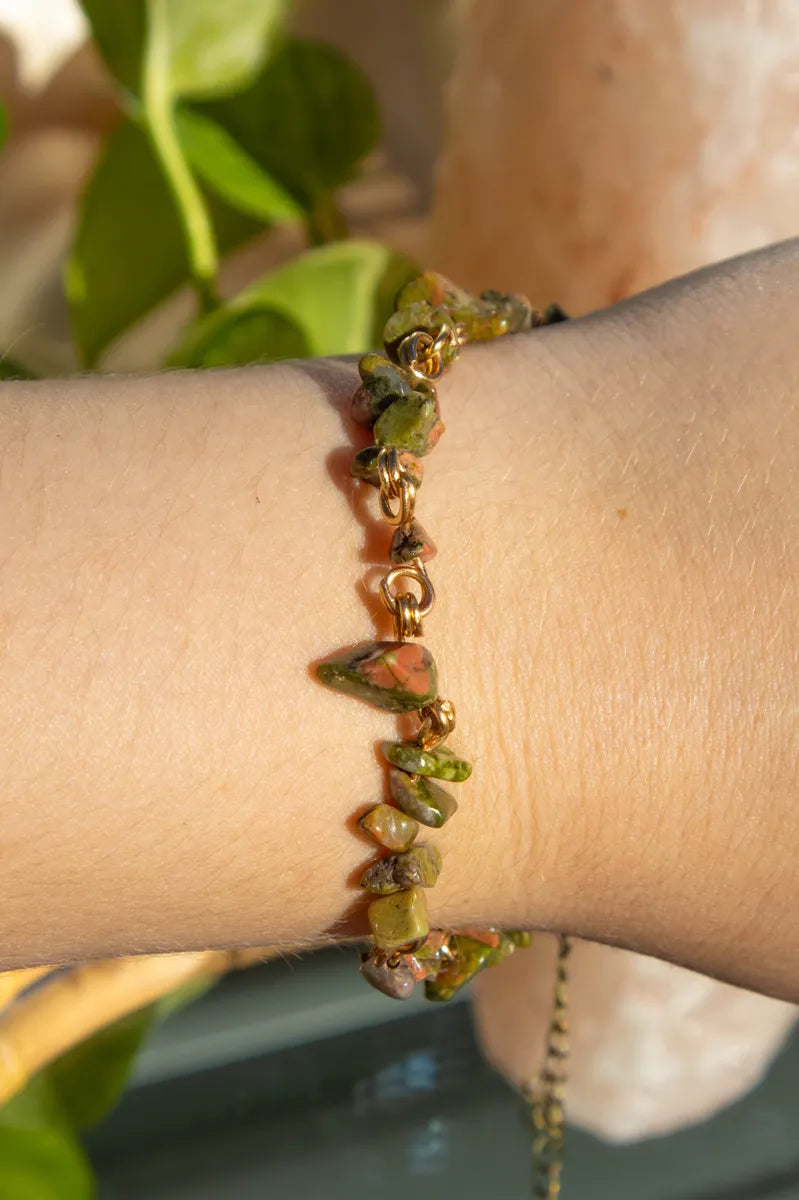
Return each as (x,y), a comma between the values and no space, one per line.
(616,503)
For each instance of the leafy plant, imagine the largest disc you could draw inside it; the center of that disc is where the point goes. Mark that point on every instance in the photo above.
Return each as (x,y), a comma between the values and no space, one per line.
(228,129)
(231,127)
(40,1152)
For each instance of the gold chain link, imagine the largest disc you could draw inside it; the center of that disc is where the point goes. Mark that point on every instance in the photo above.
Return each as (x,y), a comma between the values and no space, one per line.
(421,352)
(438,722)
(395,484)
(404,607)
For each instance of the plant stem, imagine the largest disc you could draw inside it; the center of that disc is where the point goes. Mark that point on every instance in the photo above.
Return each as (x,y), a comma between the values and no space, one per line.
(159,121)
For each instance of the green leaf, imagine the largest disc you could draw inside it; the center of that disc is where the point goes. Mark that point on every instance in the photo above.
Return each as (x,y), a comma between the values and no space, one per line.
(118,29)
(180,997)
(339,296)
(89,1079)
(217,48)
(308,119)
(9,369)
(79,1088)
(198,48)
(43,1164)
(129,250)
(40,1156)
(163,49)
(231,172)
(243,337)
(35,1107)
(211,48)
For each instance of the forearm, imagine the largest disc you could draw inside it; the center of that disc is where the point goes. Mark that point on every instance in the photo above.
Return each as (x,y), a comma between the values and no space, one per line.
(615,503)
(668,681)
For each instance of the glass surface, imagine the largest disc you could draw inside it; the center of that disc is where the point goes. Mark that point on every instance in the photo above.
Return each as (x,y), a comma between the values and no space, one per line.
(389,1109)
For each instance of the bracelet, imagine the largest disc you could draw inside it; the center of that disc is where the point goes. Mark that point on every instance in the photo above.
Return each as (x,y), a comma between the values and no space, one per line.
(397,399)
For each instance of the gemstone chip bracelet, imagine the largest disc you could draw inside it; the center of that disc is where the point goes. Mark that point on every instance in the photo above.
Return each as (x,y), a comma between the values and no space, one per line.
(397,400)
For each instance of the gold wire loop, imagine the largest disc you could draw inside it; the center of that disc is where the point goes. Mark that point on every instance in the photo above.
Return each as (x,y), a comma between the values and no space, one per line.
(416,355)
(395,484)
(438,722)
(421,352)
(389,470)
(405,608)
(407,503)
(407,617)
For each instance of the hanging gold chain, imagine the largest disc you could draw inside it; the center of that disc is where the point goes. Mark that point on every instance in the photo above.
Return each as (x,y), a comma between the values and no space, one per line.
(547,1101)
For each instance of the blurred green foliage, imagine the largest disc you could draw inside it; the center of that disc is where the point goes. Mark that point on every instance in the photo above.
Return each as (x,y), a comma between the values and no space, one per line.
(41,1157)
(230,128)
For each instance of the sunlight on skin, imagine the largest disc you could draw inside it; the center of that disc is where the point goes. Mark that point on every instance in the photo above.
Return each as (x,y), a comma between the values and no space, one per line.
(616,626)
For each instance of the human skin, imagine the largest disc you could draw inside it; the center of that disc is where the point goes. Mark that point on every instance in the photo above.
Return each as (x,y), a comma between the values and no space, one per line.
(616,504)
(629,143)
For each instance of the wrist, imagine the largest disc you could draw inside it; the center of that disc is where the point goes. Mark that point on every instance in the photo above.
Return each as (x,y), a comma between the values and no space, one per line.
(635,586)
